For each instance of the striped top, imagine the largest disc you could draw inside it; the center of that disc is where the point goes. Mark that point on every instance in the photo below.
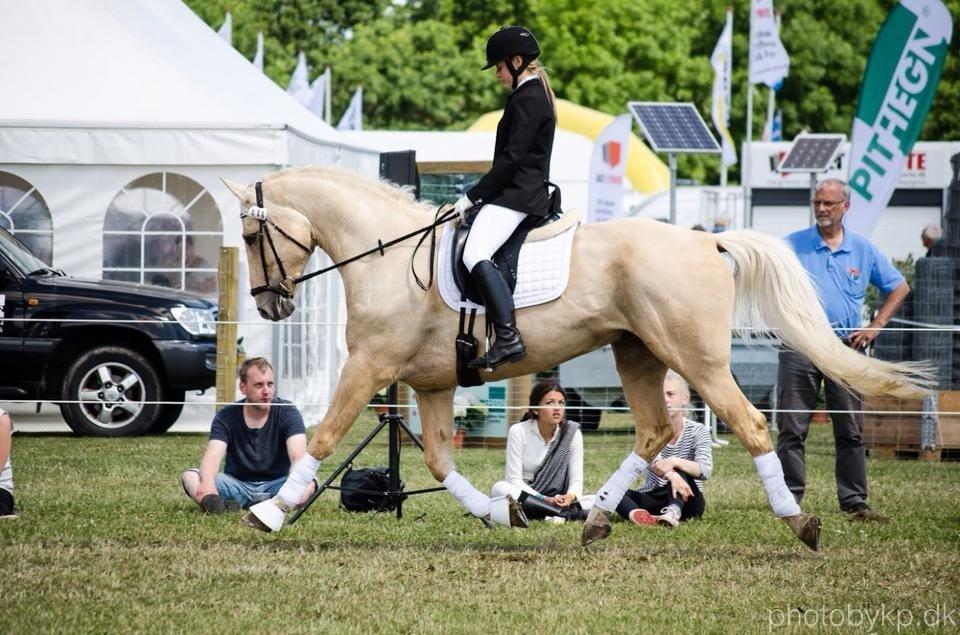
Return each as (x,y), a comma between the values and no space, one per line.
(693,445)
(6,474)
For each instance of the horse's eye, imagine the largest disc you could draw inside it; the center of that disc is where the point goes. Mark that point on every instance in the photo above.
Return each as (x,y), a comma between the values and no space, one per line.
(249,238)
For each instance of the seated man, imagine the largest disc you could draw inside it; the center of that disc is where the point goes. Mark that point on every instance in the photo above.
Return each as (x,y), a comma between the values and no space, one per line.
(260,436)
(6,471)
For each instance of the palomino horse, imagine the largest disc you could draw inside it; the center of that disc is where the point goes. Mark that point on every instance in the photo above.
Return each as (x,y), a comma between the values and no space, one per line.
(660,295)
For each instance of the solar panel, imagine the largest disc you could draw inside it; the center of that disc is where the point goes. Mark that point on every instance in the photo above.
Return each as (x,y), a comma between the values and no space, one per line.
(812,153)
(673,127)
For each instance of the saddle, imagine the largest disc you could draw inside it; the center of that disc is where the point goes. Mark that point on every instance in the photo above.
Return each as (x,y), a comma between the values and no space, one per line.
(505,258)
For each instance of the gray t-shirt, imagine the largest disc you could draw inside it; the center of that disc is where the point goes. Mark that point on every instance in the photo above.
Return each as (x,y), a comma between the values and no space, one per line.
(257,454)
(6,474)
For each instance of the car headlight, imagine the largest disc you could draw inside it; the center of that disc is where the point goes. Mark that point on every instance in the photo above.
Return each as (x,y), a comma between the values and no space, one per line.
(196,321)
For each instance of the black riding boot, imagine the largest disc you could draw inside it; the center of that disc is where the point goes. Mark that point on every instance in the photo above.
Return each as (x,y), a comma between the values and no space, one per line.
(538,509)
(498,301)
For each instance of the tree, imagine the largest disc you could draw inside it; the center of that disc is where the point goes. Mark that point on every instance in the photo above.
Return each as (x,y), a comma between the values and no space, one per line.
(419,61)
(415,76)
(316,26)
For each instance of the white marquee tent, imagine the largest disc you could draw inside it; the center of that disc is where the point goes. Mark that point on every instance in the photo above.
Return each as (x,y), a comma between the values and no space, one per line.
(104,98)
(569,164)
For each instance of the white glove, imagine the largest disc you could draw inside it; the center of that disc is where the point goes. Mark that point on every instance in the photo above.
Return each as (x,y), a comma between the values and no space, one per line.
(462,205)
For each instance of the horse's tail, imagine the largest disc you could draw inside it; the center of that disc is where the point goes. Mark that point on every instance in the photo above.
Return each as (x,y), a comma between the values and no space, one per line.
(774,290)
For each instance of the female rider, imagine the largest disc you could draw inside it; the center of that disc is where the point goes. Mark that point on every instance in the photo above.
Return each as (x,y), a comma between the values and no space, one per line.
(515,186)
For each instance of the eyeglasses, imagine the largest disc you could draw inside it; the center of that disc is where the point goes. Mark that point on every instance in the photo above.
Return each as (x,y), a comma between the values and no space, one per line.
(818,203)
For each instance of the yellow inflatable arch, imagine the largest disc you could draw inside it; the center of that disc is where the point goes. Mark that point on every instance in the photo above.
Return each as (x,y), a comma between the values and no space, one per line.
(646,171)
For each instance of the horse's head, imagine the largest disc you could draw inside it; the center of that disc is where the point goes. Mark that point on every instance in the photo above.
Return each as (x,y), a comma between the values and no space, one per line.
(279,241)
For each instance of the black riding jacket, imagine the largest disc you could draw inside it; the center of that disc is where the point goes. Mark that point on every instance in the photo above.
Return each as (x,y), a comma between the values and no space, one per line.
(521,159)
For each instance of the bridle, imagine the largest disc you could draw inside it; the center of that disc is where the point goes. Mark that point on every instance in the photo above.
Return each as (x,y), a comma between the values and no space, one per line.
(287,284)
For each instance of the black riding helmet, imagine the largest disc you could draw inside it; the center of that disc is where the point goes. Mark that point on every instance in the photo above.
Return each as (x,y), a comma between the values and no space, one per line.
(510,41)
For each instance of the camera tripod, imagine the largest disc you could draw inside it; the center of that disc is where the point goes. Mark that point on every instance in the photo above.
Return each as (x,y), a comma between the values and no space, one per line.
(394,424)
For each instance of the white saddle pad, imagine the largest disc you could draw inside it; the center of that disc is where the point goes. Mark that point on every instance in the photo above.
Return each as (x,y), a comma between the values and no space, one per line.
(543,271)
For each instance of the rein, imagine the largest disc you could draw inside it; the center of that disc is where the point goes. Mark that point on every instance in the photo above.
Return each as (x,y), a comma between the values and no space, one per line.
(285,286)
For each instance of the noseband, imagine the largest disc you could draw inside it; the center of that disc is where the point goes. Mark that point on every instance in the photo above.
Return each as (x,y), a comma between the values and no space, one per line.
(286,285)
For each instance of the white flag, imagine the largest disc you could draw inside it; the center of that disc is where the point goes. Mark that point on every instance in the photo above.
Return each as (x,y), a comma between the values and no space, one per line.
(722,62)
(320,88)
(769,62)
(352,118)
(299,85)
(606,170)
(226,31)
(258,56)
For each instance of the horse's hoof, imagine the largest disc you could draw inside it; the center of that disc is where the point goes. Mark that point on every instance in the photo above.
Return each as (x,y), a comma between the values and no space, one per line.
(505,511)
(596,527)
(517,517)
(252,521)
(265,516)
(806,527)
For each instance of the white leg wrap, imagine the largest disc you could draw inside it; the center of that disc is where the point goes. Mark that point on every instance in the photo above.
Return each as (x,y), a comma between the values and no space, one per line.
(476,502)
(771,473)
(303,472)
(610,495)
(503,488)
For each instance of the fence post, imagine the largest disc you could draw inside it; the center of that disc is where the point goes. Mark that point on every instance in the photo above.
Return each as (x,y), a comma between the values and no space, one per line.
(518,392)
(227,325)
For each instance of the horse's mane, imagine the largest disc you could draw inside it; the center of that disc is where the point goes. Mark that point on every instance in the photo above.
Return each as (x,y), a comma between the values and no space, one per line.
(352,180)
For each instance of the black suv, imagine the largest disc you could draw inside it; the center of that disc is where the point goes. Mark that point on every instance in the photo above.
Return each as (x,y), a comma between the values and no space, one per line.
(104,349)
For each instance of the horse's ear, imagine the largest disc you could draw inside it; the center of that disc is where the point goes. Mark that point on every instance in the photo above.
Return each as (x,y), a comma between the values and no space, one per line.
(239,190)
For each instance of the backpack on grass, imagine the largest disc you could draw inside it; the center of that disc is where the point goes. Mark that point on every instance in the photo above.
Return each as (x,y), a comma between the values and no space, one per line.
(365,490)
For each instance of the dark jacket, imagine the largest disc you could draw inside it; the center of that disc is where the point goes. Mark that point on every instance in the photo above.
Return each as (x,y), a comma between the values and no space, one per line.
(521,158)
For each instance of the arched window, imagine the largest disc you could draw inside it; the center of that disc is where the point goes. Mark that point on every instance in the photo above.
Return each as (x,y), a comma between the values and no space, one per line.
(163,229)
(24,213)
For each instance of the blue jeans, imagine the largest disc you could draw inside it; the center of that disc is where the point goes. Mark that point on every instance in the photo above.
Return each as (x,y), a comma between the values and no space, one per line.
(247,493)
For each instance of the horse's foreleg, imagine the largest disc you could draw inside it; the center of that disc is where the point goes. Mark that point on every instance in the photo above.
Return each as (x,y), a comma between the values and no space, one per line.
(641,374)
(436,419)
(358,382)
(720,391)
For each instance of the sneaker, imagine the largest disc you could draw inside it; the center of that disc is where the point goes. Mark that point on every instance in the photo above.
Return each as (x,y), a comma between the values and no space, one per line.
(213,504)
(668,517)
(642,517)
(555,520)
(861,512)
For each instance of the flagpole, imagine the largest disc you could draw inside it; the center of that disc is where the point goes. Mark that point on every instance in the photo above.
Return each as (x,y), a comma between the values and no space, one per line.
(723,164)
(745,168)
(327,110)
(771,92)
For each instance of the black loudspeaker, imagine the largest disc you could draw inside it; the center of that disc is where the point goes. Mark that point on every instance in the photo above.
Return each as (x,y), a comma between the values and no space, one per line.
(401,168)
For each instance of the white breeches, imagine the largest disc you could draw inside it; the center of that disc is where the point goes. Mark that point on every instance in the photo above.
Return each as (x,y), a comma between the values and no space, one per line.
(491,228)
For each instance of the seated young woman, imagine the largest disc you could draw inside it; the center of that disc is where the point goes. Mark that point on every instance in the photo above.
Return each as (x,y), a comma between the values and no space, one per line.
(673,489)
(544,470)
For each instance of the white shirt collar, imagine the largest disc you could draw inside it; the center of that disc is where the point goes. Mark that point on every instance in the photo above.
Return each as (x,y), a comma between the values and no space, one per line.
(527,79)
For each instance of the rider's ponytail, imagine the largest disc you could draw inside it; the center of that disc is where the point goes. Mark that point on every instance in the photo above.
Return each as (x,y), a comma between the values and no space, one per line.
(541,72)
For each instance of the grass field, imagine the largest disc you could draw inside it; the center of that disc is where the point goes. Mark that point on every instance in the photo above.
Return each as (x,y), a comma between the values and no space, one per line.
(106,542)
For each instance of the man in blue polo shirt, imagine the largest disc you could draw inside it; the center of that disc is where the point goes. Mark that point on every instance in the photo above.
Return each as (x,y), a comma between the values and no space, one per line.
(841,264)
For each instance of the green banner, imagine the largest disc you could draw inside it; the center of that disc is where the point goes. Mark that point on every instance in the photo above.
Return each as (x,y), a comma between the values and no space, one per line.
(898,88)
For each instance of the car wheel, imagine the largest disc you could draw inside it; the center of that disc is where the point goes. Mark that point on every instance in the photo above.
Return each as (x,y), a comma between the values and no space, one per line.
(169,413)
(110,388)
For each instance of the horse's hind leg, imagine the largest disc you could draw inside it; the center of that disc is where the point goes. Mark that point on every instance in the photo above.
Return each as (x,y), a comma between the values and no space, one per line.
(436,418)
(718,388)
(641,374)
